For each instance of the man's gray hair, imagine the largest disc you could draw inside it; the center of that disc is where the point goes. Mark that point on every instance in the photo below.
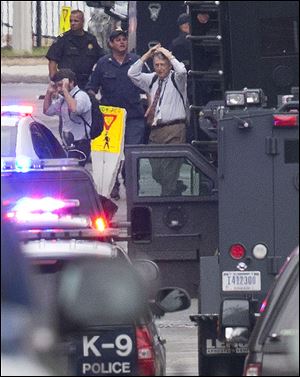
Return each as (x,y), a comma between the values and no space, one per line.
(160,55)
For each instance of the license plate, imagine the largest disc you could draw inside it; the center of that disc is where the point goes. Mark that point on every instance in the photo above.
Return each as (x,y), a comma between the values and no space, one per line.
(110,352)
(241,281)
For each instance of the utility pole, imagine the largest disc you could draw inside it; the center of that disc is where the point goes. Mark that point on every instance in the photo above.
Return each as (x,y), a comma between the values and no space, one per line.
(22,33)
(38,24)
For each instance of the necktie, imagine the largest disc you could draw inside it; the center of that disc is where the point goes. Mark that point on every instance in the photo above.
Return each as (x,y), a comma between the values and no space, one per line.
(151,110)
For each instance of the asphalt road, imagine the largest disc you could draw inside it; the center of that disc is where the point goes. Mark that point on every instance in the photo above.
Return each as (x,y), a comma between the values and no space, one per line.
(179,332)
(27,94)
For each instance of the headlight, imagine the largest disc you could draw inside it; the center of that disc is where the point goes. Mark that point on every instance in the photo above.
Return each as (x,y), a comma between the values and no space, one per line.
(235,99)
(245,97)
(254,96)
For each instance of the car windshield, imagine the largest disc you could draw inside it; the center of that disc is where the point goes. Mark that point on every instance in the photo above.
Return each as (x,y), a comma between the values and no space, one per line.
(8,141)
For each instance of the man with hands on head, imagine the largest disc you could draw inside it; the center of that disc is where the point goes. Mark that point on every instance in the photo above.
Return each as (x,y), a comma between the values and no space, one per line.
(64,98)
(166,114)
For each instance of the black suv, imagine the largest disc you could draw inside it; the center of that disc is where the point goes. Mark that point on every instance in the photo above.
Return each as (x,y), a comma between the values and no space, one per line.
(274,342)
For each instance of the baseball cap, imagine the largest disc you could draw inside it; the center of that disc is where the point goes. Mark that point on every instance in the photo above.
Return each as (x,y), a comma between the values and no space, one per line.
(183,19)
(115,33)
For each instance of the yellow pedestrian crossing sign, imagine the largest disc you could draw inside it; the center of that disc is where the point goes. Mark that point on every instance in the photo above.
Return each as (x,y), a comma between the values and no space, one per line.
(107,150)
(111,138)
(64,21)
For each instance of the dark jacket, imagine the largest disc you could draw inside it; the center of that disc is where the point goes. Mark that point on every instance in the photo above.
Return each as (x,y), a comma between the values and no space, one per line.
(78,53)
(116,88)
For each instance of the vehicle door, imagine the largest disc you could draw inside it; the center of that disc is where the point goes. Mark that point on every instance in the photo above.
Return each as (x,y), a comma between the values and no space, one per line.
(246,201)
(286,183)
(173,229)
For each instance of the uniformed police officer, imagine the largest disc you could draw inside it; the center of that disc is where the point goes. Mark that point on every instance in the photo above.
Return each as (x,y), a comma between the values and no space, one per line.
(110,76)
(76,49)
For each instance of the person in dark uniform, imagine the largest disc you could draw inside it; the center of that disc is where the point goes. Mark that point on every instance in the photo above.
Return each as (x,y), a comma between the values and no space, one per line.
(110,76)
(180,46)
(75,49)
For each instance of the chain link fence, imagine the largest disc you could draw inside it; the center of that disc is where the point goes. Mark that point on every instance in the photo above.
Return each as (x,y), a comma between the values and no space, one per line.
(44,20)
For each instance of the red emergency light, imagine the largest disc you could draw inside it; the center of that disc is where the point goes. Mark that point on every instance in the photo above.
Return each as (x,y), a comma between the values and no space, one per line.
(285,120)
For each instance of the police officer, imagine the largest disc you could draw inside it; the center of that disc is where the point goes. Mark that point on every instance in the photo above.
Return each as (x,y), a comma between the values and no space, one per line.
(181,46)
(76,49)
(110,76)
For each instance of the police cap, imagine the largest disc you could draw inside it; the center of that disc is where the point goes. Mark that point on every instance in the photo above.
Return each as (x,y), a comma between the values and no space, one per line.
(183,19)
(115,33)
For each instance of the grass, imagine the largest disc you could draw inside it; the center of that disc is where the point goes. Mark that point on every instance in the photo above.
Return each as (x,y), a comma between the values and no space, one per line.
(8,52)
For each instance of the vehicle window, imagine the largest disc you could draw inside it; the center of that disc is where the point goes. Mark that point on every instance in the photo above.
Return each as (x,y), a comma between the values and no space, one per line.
(8,141)
(44,143)
(287,319)
(172,177)
(278,36)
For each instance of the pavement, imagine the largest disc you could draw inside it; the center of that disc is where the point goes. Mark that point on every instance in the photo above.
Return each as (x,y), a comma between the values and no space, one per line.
(24,70)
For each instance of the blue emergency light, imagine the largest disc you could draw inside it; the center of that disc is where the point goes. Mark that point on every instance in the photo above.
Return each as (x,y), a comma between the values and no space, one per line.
(23,164)
(16,110)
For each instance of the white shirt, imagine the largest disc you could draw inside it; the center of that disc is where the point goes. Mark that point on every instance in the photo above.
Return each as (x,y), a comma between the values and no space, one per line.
(170,105)
(71,120)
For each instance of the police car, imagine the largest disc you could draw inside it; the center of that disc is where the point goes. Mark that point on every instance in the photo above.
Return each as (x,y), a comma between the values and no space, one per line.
(57,179)
(22,135)
(99,297)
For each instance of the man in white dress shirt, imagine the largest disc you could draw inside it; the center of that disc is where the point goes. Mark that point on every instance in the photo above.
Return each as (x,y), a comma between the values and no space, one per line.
(166,114)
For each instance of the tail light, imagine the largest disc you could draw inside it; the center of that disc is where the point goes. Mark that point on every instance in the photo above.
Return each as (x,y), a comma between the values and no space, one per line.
(282,120)
(146,358)
(237,251)
(100,224)
(252,369)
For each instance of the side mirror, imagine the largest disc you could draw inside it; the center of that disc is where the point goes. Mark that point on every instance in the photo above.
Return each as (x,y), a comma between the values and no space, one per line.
(172,299)
(235,320)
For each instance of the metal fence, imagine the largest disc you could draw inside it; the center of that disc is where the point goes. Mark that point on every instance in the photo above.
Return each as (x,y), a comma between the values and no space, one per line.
(44,20)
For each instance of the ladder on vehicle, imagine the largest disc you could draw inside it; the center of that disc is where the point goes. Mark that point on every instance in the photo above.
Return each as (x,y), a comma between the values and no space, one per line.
(207,66)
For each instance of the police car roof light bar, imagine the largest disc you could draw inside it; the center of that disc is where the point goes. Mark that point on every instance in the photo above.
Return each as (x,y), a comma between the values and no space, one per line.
(46,204)
(16,110)
(21,164)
